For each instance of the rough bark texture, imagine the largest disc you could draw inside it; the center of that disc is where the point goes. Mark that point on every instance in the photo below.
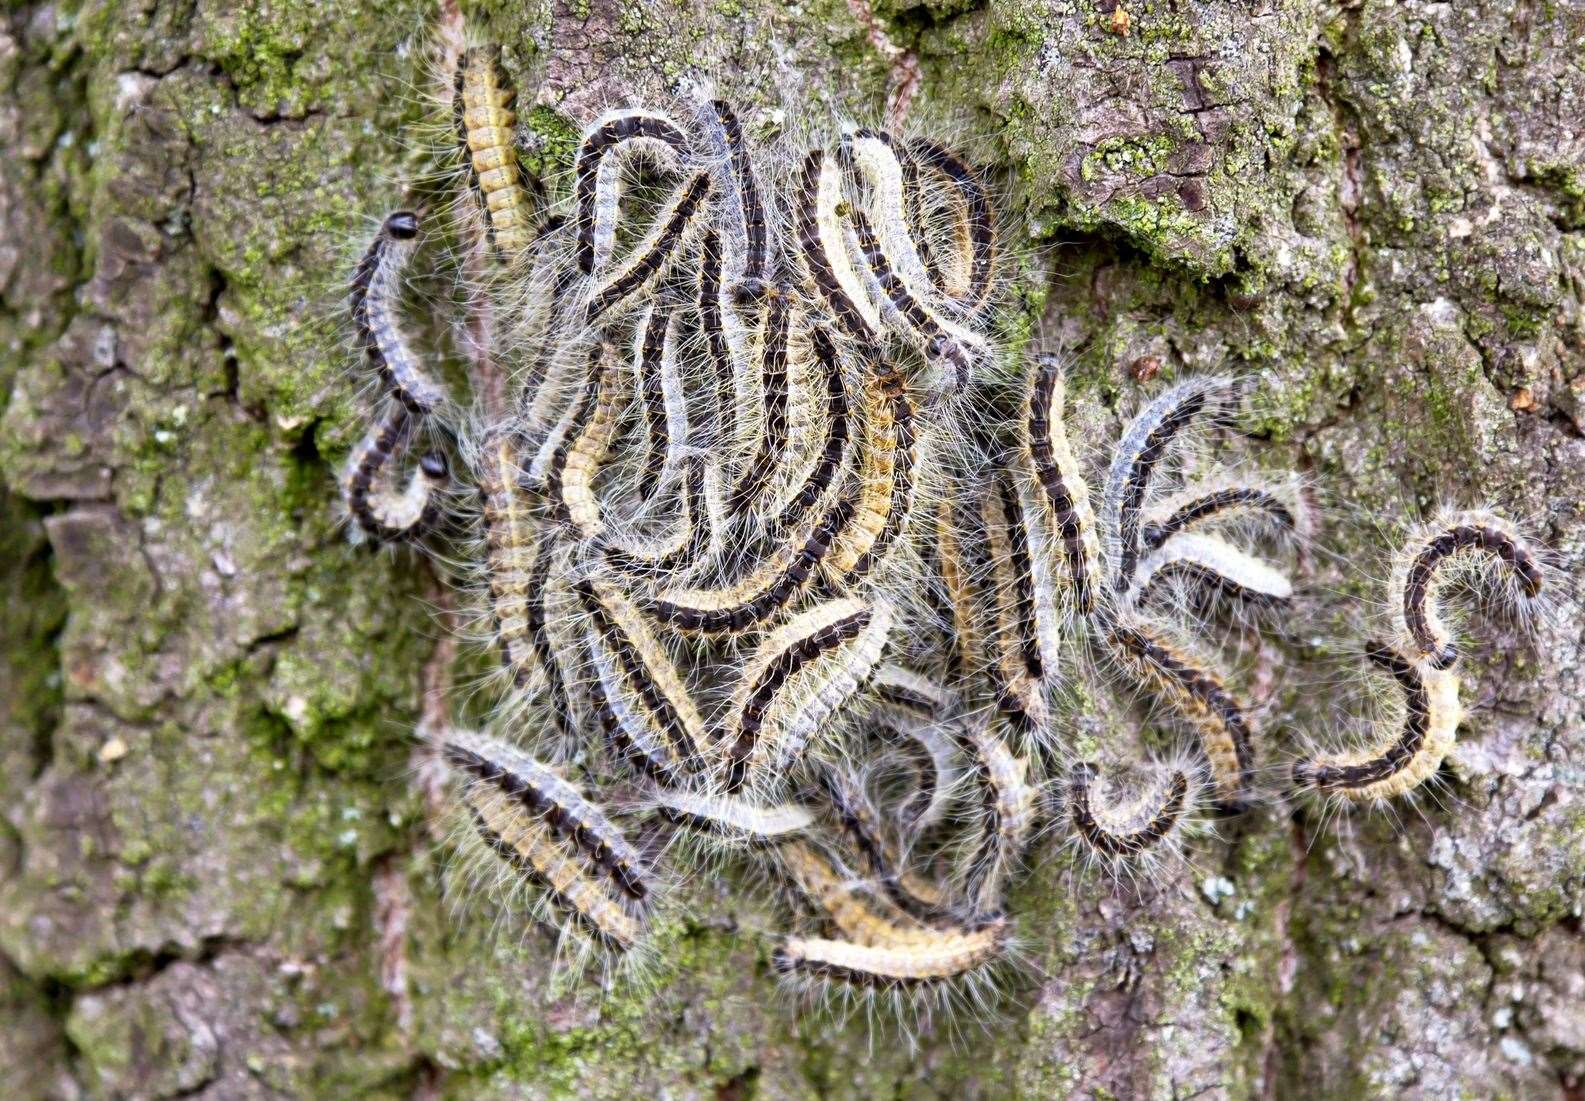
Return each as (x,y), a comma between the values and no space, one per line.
(218,876)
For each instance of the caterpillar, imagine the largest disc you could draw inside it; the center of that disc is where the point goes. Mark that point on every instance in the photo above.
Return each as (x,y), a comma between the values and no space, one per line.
(558,804)
(942,341)
(511,555)
(822,246)
(382,513)
(886,478)
(976,222)
(611,132)
(734,817)
(586,449)
(1009,809)
(1198,695)
(1405,758)
(1143,446)
(376,289)
(1455,544)
(644,705)
(795,678)
(526,844)
(1063,491)
(944,955)
(1131,829)
(1017,665)
(1214,564)
(483,103)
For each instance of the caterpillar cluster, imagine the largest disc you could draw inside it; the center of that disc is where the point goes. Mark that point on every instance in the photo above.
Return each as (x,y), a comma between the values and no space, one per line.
(788,564)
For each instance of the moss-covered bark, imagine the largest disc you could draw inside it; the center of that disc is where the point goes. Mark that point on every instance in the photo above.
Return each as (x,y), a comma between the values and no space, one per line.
(219,879)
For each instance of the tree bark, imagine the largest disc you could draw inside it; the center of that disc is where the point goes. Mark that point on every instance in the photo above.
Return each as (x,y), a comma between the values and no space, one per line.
(220,875)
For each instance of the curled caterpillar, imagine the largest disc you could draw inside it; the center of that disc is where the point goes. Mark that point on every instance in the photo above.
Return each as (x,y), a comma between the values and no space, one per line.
(1128,829)
(1402,757)
(382,512)
(1454,548)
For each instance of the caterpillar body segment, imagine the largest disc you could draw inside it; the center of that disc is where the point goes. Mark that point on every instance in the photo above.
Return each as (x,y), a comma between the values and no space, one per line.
(1200,697)
(526,843)
(375,297)
(678,223)
(822,248)
(643,702)
(560,806)
(1201,506)
(585,449)
(609,133)
(383,512)
(484,115)
(975,235)
(1132,828)
(1009,812)
(957,591)
(1046,584)
(1214,564)
(1462,547)
(1063,493)
(1405,753)
(796,678)
(1144,445)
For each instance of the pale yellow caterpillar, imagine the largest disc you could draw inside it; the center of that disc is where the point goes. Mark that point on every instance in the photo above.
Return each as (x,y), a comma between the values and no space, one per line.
(483,103)
(1200,696)
(1408,754)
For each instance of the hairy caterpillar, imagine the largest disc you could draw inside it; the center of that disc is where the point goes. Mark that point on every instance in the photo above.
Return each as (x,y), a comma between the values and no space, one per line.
(727,539)
(483,103)
(1130,829)
(1455,545)
(1214,564)
(383,513)
(644,704)
(1192,508)
(1062,487)
(526,844)
(1201,697)
(376,287)
(1143,446)
(558,804)
(802,672)
(1406,757)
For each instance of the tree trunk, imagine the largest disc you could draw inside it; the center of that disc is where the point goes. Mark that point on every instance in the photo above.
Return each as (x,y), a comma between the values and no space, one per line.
(221,878)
